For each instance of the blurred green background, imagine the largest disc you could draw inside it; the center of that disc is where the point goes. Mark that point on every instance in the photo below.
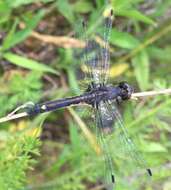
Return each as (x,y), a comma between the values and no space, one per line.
(51,151)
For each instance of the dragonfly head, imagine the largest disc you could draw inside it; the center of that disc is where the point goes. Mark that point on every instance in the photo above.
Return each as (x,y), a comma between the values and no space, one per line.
(125,90)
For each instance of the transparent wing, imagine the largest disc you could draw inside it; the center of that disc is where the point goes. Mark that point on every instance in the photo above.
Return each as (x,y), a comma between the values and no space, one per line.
(86,55)
(127,144)
(105,49)
(109,126)
(103,123)
(95,54)
(99,57)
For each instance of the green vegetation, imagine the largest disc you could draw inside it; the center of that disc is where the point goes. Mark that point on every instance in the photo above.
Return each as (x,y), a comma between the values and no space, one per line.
(52,151)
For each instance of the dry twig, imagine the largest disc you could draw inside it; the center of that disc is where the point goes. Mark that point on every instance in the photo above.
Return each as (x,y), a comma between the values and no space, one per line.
(60,41)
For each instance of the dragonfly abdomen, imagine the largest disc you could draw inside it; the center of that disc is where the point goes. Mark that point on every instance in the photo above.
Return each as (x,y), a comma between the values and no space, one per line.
(61,103)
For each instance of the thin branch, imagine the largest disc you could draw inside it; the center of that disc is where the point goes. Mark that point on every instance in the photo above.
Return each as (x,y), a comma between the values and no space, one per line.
(60,41)
(13,115)
(151,93)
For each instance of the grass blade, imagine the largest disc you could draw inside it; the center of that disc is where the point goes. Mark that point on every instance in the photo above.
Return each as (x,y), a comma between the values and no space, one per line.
(28,63)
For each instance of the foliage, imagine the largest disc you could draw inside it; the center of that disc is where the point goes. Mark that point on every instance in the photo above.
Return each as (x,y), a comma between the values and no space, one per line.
(18,89)
(16,157)
(140,54)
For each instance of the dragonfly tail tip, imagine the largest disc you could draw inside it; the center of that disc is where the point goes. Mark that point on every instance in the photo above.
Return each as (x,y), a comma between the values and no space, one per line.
(149,172)
(111,12)
(113,178)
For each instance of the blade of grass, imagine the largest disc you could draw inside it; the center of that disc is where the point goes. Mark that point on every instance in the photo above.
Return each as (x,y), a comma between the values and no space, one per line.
(15,37)
(28,63)
(146,43)
(136,15)
(90,137)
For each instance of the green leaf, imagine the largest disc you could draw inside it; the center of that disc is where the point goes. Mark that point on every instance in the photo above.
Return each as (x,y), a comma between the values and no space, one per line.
(7,43)
(74,137)
(123,39)
(121,4)
(154,147)
(17,3)
(141,69)
(15,160)
(65,9)
(82,6)
(136,15)
(160,54)
(28,63)
(4,12)
(14,37)
(3,7)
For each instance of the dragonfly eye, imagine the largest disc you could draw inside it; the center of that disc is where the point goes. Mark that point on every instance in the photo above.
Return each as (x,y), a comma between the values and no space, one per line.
(126,90)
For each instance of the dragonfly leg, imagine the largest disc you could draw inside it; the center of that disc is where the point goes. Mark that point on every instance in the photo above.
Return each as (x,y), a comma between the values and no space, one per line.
(118,100)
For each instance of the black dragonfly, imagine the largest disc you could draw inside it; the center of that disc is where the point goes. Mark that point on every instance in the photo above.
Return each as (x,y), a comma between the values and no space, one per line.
(103,98)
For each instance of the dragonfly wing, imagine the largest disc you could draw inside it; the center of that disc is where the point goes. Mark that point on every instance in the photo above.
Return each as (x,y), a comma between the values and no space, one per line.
(125,141)
(105,49)
(109,124)
(104,122)
(95,54)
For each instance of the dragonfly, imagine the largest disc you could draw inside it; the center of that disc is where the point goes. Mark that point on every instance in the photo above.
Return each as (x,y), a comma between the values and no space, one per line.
(104,99)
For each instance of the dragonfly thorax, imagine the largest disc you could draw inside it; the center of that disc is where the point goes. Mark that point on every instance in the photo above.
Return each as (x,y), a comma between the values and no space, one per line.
(100,92)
